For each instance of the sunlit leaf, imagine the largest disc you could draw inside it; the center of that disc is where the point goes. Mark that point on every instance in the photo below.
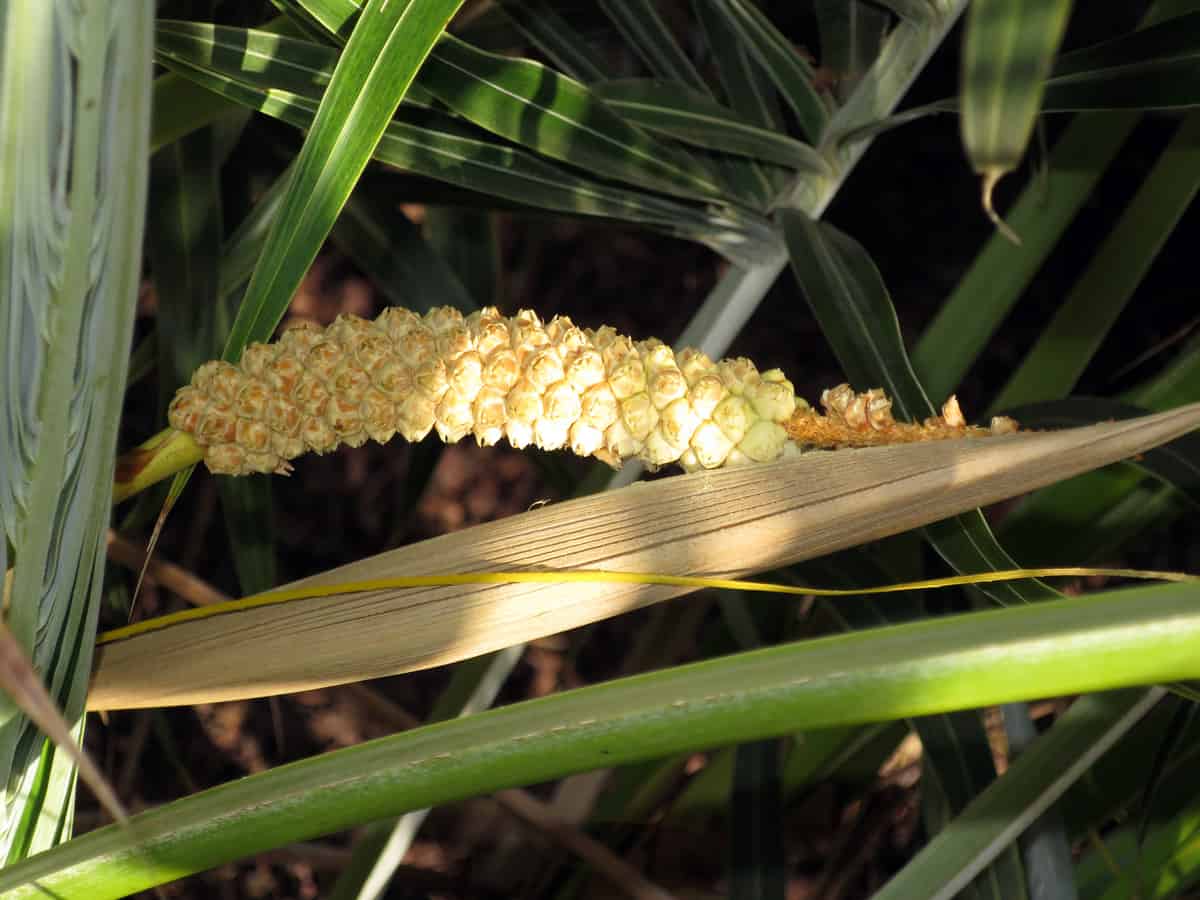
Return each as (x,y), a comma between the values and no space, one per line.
(372,75)
(1072,645)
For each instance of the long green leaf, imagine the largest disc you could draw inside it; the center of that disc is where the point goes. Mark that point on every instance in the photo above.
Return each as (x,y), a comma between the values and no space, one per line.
(181,107)
(74,120)
(1067,344)
(1002,270)
(432,144)
(1079,644)
(747,88)
(1032,783)
(389,43)
(533,105)
(787,69)
(674,110)
(1157,67)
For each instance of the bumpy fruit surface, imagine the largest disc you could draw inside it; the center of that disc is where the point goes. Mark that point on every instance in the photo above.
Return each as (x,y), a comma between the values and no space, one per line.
(552,385)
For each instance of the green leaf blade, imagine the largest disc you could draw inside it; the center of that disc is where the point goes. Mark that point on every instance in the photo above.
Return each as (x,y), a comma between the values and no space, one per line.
(528,103)
(1065,347)
(1079,644)
(379,63)
(695,118)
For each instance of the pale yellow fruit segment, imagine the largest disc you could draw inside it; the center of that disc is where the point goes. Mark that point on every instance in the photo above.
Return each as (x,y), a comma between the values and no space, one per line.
(550,385)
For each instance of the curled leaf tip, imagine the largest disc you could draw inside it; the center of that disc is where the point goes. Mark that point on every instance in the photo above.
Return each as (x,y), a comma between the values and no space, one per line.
(990,178)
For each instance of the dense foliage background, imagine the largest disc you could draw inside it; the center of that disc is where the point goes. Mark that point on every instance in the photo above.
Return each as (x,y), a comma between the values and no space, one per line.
(1101,308)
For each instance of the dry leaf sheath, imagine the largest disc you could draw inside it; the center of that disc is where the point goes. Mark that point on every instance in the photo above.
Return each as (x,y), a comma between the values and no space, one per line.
(552,385)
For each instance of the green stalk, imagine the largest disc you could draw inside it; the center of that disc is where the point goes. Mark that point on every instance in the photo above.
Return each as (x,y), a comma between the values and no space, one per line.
(1080,644)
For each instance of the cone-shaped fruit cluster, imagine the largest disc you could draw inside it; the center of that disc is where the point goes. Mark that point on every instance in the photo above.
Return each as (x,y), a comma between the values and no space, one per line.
(552,385)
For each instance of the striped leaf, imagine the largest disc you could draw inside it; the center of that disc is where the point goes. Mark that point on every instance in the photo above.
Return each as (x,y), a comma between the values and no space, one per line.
(76,86)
